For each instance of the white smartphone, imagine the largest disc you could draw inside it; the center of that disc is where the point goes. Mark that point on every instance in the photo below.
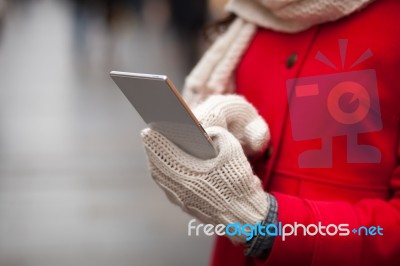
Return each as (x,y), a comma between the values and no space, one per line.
(161,106)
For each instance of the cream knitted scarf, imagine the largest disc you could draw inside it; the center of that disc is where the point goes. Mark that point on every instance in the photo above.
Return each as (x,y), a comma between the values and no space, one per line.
(213,73)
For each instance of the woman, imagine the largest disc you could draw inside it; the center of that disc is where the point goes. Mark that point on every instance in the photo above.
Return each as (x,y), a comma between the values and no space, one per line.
(323,76)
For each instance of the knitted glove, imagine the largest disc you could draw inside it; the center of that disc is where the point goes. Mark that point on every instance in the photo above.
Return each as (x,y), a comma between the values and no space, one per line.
(222,190)
(237,115)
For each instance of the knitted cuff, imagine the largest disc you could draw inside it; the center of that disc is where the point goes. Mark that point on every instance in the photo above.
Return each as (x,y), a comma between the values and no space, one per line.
(259,245)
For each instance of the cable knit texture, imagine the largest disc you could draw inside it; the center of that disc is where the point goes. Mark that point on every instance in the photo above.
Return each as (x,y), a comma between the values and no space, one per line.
(213,73)
(222,190)
(293,15)
(237,115)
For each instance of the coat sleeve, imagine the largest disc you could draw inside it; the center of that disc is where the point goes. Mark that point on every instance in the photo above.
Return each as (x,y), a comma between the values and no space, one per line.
(340,250)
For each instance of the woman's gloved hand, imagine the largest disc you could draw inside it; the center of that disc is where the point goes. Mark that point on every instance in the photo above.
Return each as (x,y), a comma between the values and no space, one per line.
(220,190)
(239,117)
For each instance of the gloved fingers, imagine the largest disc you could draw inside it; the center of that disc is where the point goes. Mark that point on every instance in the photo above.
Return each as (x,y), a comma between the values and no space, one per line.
(256,136)
(211,112)
(223,188)
(184,175)
(190,203)
(227,145)
(174,162)
(237,115)
(163,149)
(167,185)
(190,196)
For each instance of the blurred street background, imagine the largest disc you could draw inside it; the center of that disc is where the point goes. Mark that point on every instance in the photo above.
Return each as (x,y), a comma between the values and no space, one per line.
(74,186)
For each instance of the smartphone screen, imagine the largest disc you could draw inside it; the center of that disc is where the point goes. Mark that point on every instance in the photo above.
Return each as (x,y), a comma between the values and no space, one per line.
(161,106)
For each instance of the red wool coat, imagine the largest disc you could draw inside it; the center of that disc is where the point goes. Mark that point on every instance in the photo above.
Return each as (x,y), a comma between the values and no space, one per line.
(352,190)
